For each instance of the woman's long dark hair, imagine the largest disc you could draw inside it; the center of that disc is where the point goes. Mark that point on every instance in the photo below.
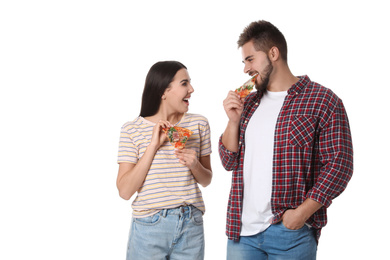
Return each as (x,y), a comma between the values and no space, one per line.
(157,81)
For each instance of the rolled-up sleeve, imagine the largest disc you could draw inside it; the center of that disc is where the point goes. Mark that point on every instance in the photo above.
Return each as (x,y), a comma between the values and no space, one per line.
(229,159)
(336,157)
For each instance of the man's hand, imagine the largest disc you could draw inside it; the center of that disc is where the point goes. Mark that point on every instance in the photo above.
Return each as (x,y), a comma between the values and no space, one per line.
(293,219)
(233,106)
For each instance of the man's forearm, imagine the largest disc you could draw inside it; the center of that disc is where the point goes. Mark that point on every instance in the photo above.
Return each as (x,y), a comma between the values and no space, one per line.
(308,208)
(230,137)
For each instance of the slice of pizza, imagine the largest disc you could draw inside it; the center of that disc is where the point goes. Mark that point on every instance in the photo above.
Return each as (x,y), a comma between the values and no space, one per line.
(247,87)
(178,136)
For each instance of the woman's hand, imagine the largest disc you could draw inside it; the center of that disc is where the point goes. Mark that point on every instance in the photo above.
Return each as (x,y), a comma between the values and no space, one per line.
(158,135)
(200,168)
(187,157)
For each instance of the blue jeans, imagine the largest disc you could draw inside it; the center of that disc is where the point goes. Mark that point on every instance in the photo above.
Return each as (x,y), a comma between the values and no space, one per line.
(170,234)
(275,243)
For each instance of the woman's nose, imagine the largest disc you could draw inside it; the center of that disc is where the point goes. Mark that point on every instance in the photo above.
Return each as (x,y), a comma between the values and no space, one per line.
(191,89)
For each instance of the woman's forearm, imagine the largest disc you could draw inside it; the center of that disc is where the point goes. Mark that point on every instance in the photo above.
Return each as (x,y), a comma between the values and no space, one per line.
(202,171)
(132,176)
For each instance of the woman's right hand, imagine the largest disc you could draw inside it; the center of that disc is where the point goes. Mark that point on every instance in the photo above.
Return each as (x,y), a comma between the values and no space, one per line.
(158,135)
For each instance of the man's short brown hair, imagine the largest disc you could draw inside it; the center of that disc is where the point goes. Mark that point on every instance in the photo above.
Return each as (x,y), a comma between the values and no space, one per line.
(264,36)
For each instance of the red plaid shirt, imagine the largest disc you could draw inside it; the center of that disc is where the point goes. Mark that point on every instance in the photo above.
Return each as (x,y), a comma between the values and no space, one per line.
(313,156)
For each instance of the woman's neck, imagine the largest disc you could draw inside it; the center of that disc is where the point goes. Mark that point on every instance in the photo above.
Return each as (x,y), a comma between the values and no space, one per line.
(171,118)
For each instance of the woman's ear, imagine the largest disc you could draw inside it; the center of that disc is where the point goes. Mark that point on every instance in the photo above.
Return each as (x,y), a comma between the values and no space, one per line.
(164,96)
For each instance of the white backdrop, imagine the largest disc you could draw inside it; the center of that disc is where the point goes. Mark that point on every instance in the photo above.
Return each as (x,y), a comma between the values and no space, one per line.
(72,72)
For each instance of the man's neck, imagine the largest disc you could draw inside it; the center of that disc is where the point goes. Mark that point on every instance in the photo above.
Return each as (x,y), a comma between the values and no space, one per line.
(281,80)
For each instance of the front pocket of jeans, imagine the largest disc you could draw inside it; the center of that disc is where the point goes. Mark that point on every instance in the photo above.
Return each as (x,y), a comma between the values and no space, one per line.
(292,230)
(302,131)
(197,216)
(148,221)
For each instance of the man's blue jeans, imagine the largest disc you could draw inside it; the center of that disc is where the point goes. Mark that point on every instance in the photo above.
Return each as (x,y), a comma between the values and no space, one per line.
(175,234)
(275,243)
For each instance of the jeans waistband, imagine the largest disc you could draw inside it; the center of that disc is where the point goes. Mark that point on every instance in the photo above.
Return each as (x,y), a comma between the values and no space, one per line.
(182,210)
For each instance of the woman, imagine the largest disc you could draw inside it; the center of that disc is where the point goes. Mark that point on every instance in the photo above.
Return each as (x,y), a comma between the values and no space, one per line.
(167,218)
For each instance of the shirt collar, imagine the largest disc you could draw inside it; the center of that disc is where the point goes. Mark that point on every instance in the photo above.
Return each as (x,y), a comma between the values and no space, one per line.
(299,86)
(294,89)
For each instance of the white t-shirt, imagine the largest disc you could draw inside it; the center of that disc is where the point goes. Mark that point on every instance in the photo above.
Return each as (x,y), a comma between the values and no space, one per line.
(259,145)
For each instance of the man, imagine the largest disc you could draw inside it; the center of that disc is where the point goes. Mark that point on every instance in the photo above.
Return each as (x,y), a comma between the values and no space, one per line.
(290,149)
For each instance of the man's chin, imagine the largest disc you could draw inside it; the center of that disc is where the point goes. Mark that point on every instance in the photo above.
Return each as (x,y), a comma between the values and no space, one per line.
(261,87)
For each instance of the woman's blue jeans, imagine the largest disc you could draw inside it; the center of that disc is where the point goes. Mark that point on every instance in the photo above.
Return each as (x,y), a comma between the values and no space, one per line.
(170,234)
(275,243)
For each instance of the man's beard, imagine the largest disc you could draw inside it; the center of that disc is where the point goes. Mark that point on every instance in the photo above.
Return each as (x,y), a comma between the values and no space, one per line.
(265,80)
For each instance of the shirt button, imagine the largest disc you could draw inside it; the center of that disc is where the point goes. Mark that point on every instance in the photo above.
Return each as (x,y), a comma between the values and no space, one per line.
(246,121)
(257,104)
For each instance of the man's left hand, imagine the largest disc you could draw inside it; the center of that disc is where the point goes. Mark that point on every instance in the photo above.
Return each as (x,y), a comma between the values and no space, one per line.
(293,219)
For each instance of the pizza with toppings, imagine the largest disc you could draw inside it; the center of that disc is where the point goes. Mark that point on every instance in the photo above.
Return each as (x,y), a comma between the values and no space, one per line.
(247,87)
(178,136)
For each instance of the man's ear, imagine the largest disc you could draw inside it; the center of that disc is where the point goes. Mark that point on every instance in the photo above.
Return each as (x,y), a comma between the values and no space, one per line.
(274,53)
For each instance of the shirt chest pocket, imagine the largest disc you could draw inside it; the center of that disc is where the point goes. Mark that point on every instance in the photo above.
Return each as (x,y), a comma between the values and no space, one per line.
(302,131)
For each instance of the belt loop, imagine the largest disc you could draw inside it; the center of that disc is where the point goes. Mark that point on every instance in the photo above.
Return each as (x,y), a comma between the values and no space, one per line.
(164,212)
(190,209)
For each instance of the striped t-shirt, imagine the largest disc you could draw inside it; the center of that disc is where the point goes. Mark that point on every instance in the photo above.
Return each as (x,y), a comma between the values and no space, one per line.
(168,184)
